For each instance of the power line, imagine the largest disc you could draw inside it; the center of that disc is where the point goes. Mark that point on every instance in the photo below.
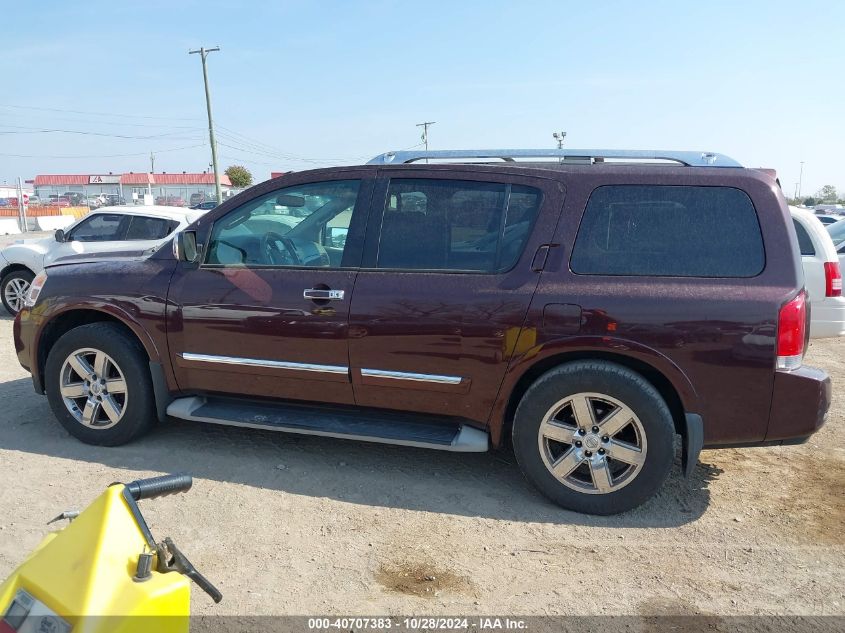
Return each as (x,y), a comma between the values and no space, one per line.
(74,156)
(18,129)
(246,141)
(102,122)
(111,114)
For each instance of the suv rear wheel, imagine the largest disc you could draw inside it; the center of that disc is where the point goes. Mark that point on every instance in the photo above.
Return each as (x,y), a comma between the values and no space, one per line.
(99,386)
(594,437)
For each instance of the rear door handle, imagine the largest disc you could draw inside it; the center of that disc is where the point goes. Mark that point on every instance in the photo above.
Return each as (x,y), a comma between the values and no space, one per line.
(326,295)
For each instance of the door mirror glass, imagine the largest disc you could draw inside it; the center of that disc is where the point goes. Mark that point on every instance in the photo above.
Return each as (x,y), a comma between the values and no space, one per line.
(185,246)
(59,235)
(336,236)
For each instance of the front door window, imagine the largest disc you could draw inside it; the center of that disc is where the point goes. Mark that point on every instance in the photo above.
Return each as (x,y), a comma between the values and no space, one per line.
(300,226)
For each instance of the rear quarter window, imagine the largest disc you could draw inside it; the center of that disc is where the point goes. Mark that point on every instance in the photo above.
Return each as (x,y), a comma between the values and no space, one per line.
(804,241)
(672,231)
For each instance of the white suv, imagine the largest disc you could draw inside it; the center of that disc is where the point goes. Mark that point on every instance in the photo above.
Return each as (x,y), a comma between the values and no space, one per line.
(822,276)
(108,229)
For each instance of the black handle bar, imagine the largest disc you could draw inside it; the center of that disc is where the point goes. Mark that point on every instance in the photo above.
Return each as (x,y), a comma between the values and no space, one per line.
(159,486)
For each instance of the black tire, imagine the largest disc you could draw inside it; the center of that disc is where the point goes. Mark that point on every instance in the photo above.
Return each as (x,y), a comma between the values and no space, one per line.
(139,414)
(623,385)
(22,274)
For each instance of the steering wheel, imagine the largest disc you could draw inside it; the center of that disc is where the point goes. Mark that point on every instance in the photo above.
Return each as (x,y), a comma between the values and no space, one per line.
(270,249)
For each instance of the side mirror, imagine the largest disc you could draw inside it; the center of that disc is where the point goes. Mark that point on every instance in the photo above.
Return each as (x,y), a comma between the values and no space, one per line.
(59,235)
(185,246)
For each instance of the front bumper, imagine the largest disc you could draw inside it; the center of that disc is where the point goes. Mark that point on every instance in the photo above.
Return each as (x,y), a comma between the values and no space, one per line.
(800,402)
(23,331)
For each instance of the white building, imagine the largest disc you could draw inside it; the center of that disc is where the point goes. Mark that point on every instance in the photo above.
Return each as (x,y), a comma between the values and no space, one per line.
(172,189)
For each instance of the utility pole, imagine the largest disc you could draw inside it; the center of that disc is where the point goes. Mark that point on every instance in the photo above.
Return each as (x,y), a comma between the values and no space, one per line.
(424,125)
(559,136)
(800,178)
(203,54)
(21,206)
(152,163)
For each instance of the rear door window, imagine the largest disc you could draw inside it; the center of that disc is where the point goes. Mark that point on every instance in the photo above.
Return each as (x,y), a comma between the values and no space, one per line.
(455,225)
(147,228)
(662,230)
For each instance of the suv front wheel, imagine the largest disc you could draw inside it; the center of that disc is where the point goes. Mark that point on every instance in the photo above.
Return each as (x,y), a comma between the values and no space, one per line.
(98,383)
(594,437)
(13,289)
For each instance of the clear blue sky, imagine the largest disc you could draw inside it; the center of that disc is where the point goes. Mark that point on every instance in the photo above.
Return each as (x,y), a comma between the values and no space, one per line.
(337,82)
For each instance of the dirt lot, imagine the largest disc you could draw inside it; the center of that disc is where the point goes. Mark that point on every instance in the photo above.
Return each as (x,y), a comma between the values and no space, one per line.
(298,525)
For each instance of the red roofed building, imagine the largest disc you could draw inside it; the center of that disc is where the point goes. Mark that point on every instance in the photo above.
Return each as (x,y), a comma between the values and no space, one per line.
(179,189)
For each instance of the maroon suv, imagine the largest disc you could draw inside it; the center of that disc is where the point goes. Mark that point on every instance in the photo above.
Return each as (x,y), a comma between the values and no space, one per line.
(591,309)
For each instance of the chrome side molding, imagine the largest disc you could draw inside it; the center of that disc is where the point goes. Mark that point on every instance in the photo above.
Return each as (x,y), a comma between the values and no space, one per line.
(257,362)
(401,375)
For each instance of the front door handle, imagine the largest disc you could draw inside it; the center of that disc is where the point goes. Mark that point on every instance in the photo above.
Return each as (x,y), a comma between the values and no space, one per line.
(325,295)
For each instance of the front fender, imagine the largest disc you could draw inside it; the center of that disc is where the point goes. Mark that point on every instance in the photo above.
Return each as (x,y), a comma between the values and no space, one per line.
(29,255)
(33,325)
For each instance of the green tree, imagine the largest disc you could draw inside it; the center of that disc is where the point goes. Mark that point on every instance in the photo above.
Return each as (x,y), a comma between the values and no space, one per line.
(810,202)
(239,175)
(828,194)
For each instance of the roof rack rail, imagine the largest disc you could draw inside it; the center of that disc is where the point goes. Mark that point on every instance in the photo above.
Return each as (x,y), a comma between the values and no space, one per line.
(688,158)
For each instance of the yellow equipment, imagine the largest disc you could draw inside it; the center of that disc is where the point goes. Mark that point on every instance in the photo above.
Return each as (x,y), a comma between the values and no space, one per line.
(105,571)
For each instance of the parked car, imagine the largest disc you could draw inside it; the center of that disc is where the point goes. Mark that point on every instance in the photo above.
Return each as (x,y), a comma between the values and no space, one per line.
(587,312)
(76,199)
(827,219)
(93,202)
(837,232)
(170,201)
(200,197)
(34,201)
(106,230)
(206,206)
(60,201)
(822,275)
(113,200)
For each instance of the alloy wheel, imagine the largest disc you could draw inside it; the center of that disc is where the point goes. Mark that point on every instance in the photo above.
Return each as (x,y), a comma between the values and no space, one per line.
(93,388)
(15,292)
(592,443)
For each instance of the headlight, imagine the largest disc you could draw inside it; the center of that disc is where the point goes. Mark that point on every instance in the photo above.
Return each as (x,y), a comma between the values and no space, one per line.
(35,289)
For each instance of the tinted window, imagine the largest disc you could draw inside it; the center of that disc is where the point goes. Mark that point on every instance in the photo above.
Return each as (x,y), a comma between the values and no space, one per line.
(431,224)
(303,225)
(804,241)
(100,227)
(670,231)
(837,232)
(145,228)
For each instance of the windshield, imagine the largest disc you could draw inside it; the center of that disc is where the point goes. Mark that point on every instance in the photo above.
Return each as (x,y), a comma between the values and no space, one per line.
(837,232)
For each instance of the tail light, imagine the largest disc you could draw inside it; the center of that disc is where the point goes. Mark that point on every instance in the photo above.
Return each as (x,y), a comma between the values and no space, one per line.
(792,323)
(832,280)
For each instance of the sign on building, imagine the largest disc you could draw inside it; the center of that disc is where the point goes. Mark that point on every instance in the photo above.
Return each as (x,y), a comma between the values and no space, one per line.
(109,179)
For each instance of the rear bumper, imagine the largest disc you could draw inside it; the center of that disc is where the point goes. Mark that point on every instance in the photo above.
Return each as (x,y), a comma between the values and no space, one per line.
(827,318)
(800,402)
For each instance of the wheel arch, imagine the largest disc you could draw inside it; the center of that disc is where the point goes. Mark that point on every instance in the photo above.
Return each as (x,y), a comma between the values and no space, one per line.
(12,267)
(679,398)
(64,321)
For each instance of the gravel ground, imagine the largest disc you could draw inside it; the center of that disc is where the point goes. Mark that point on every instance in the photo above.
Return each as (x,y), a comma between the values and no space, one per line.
(297,525)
